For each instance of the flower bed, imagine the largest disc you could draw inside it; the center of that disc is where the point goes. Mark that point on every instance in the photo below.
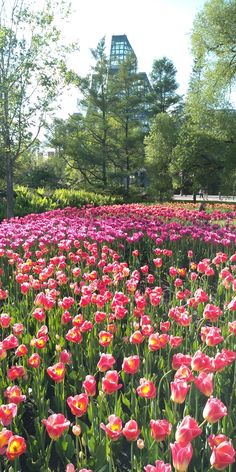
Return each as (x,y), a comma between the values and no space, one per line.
(118,340)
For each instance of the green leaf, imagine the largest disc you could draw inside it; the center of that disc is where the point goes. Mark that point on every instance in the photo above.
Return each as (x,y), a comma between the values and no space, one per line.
(125,401)
(169,413)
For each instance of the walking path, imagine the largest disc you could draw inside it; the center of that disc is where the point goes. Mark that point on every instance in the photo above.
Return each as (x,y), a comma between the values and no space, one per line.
(208,198)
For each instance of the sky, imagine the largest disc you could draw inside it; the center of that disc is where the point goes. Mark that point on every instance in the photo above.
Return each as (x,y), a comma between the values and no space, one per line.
(155,28)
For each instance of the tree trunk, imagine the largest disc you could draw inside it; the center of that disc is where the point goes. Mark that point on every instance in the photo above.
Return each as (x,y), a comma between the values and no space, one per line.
(10,191)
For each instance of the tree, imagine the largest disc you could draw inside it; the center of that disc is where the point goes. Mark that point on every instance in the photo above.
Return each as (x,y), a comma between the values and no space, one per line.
(32,75)
(214,47)
(95,104)
(77,150)
(205,153)
(83,139)
(160,144)
(128,119)
(164,86)
(204,156)
(105,140)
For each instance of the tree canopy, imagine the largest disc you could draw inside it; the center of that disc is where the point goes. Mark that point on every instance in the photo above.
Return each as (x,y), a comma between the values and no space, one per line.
(164,86)
(32,76)
(214,46)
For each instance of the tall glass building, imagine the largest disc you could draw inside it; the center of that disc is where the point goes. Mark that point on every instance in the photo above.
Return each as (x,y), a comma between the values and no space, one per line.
(120,50)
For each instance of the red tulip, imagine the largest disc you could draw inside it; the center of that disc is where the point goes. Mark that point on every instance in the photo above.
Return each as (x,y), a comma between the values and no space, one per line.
(70,468)
(165,326)
(56,425)
(5,435)
(200,296)
(215,440)
(10,342)
(7,413)
(21,351)
(175,341)
(131,364)
(232,305)
(184,373)
(232,327)
(5,320)
(16,446)
(114,428)
(157,341)
(110,382)
(105,362)
(204,383)
(146,389)
(187,430)
(3,352)
(34,360)
(100,316)
(13,394)
(15,372)
(65,357)
(105,338)
(212,312)
(74,335)
(136,338)
(160,429)
(201,362)
(222,455)
(211,335)
(179,390)
(159,466)
(181,359)
(181,455)
(78,404)
(57,372)
(214,410)
(90,385)
(131,431)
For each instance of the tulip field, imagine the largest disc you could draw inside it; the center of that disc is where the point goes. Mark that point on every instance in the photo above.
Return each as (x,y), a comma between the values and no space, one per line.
(118,334)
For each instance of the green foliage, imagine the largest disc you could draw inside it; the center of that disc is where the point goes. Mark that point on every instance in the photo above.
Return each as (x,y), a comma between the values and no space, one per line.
(77,198)
(102,145)
(32,76)
(41,199)
(163,78)
(160,144)
(213,45)
(205,153)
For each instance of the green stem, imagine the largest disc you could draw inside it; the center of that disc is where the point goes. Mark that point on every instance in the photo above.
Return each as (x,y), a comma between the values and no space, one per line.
(200,426)
(110,460)
(159,386)
(132,456)
(77,447)
(233,390)
(48,454)
(16,465)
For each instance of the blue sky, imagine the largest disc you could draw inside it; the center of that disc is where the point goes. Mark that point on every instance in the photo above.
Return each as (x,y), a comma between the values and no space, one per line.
(155,28)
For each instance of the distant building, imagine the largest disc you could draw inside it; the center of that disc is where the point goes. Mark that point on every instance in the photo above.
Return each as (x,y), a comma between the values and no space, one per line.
(120,50)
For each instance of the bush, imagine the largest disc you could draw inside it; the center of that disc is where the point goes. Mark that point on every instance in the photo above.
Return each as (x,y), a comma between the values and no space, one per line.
(77,198)
(39,200)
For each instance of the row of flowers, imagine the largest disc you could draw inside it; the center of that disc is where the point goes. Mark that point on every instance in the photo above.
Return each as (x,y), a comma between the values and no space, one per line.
(116,324)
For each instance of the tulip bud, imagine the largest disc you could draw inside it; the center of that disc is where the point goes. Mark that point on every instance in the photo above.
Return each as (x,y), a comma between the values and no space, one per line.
(76,430)
(140,443)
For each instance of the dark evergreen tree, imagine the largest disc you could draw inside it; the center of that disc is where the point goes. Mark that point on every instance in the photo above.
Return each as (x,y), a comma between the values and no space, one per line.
(164,86)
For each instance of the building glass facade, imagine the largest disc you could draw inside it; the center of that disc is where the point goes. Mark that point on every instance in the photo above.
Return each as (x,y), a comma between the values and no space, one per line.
(120,50)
